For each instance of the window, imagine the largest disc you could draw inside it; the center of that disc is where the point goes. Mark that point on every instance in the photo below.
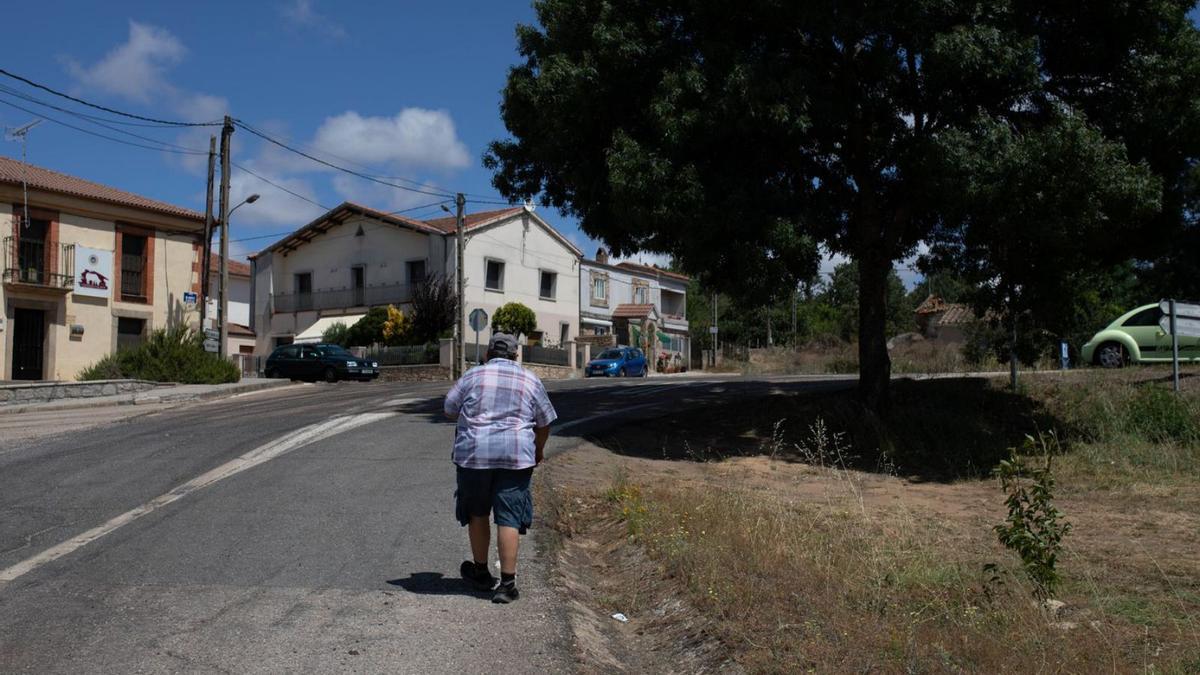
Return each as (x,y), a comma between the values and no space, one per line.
(564,333)
(1146,317)
(130,332)
(416,271)
(641,293)
(599,288)
(304,291)
(133,268)
(600,330)
(495,276)
(356,280)
(549,285)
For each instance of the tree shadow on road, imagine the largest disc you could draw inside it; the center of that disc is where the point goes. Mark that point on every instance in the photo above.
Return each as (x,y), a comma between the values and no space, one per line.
(435,583)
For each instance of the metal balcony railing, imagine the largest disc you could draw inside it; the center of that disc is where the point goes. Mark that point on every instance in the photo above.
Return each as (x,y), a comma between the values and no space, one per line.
(33,262)
(343,298)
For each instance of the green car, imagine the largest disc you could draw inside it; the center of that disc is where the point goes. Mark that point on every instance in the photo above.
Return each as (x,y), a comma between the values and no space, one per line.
(1135,337)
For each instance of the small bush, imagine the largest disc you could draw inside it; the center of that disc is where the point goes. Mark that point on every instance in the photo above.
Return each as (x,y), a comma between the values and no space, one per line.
(515,319)
(337,334)
(168,355)
(1032,529)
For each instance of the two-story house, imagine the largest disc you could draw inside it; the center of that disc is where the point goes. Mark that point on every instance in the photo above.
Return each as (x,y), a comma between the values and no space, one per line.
(637,305)
(87,269)
(241,338)
(353,258)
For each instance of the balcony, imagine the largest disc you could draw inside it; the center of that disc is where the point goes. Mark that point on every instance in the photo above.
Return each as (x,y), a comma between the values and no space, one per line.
(36,264)
(343,298)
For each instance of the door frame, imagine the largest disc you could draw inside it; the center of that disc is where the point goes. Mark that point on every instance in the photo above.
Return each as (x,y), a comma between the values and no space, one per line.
(54,313)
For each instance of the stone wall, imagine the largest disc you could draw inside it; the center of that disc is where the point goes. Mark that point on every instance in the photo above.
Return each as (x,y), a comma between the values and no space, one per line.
(551,372)
(423,373)
(39,392)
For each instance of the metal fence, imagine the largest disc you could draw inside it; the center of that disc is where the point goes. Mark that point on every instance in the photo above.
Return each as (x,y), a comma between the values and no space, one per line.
(342,298)
(548,356)
(402,356)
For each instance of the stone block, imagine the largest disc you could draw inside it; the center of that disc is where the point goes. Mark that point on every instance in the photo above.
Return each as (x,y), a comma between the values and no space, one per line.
(108,390)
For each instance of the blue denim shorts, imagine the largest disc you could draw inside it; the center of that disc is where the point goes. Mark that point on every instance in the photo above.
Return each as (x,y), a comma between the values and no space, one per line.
(504,493)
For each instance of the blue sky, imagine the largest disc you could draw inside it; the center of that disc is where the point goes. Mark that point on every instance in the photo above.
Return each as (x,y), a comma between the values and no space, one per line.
(407,89)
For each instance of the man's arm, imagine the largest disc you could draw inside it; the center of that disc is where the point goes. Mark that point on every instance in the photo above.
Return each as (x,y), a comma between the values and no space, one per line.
(540,436)
(453,401)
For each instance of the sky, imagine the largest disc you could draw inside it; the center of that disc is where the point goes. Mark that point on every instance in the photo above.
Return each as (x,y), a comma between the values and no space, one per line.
(403,88)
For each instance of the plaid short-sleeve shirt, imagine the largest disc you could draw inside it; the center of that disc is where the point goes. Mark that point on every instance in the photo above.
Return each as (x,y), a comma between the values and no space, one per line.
(498,405)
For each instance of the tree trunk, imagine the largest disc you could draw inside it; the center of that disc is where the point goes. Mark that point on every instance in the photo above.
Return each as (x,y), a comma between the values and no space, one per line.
(875,366)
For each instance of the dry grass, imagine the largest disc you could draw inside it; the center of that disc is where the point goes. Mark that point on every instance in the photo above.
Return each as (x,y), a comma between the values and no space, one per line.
(797,562)
(836,356)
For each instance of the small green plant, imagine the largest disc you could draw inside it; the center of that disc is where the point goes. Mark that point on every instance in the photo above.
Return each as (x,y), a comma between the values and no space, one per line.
(168,355)
(337,334)
(515,319)
(1033,528)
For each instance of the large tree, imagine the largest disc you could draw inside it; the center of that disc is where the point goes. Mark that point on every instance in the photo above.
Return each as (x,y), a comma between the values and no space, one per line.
(736,137)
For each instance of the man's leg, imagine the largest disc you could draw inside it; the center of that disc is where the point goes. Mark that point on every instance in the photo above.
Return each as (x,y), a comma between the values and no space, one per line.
(507,542)
(480,532)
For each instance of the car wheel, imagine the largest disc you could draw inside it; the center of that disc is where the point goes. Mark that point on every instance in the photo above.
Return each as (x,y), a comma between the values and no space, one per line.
(331,375)
(1111,355)
(622,373)
(272,373)
(644,369)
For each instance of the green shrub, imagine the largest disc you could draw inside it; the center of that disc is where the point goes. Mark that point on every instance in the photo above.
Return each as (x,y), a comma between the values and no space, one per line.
(368,330)
(337,334)
(168,355)
(1033,529)
(515,319)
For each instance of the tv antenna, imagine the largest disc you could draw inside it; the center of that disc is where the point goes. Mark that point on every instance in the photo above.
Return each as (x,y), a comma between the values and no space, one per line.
(22,133)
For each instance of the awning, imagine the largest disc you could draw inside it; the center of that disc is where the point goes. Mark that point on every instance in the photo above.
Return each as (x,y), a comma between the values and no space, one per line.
(596,322)
(313,333)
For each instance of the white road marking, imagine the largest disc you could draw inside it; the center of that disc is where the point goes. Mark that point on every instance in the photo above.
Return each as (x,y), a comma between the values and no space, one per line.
(259,455)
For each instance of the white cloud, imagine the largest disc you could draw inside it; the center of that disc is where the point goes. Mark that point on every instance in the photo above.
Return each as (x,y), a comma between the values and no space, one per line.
(134,69)
(300,13)
(275,207)
(414,137)
(659,259)
(378,196)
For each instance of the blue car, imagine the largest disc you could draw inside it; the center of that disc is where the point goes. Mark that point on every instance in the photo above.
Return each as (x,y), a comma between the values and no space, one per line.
(617,362)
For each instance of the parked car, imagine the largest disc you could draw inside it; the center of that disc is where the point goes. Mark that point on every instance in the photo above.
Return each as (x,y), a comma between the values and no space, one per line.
(1136,337)
(617,362)
(313,362)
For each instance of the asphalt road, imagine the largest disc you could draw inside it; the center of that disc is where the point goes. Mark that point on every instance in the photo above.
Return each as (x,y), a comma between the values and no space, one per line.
(304,530)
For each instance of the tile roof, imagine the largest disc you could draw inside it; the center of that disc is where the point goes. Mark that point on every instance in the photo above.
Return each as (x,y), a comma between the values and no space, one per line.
(38,178)
(631,311)
(338,215)
(472,220)
(239,329)
(956,314)
(237,268)
(653,270)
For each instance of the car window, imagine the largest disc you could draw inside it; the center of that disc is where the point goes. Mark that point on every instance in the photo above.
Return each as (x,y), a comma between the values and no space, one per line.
(1146,317)
(610,354)
(311,353)
(334,350)
(289,352)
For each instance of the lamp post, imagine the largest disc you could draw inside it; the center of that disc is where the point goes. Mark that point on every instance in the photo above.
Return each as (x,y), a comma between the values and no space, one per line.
(222,348)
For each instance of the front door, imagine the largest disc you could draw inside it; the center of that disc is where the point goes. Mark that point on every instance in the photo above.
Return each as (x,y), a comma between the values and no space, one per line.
(29,340)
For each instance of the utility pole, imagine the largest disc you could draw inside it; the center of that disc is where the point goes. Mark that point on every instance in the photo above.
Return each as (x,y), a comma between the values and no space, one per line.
(460,338)
(223,310)
(795,292)
(715,345)
(206,255)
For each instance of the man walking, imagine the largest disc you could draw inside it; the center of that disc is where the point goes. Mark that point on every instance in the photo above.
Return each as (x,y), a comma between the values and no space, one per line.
(504,419)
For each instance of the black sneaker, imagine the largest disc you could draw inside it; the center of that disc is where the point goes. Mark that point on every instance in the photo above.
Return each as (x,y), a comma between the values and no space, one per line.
(483,581)
(506,593)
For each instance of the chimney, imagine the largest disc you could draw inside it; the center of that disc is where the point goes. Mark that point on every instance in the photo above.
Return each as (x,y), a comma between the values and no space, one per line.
(602,256)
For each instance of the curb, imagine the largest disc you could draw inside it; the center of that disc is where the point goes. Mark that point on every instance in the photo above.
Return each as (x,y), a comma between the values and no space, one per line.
(146,398)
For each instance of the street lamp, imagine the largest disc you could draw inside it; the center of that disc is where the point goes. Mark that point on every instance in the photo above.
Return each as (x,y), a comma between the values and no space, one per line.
(224,333)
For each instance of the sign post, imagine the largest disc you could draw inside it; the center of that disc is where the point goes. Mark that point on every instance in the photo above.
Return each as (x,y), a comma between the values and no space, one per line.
(1178,319)
(479,319)
(1064,355)
(212,340)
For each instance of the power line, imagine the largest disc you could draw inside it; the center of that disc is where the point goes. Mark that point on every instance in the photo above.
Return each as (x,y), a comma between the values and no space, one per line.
(94,120)
(98,135)
(277,186)
(331,165)
(170,123)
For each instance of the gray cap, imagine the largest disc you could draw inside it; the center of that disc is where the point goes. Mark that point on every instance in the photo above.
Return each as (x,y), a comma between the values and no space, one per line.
(502,344)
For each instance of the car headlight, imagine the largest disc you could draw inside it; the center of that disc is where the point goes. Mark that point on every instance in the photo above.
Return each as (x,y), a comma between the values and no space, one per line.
(352,364)
(374,364)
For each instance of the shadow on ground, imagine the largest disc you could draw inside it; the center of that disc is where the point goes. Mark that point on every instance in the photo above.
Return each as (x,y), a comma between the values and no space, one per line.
(935,430)
(435,583)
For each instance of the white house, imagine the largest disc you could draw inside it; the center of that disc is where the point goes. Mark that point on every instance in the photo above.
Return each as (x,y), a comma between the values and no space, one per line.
(637,305)
(241,338)
(353,258)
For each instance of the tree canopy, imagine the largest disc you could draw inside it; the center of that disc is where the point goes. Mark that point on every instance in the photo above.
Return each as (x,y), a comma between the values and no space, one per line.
(740,137)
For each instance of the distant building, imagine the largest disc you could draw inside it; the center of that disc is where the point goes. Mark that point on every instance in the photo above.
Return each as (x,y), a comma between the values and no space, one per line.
(636,305)
(93,269)
(241,337)
(944,321)
(353,258)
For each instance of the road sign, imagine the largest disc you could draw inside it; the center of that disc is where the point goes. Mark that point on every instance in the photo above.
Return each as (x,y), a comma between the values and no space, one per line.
(1184,326)
(212,333)
(712,329)
(189,299)
(1181,309)
(478,319)
(212,346)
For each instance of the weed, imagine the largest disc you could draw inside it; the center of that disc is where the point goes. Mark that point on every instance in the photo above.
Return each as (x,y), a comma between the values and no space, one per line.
(1032,529)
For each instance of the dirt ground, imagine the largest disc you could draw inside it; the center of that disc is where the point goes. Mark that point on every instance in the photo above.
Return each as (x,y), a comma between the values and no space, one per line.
(1125,555)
